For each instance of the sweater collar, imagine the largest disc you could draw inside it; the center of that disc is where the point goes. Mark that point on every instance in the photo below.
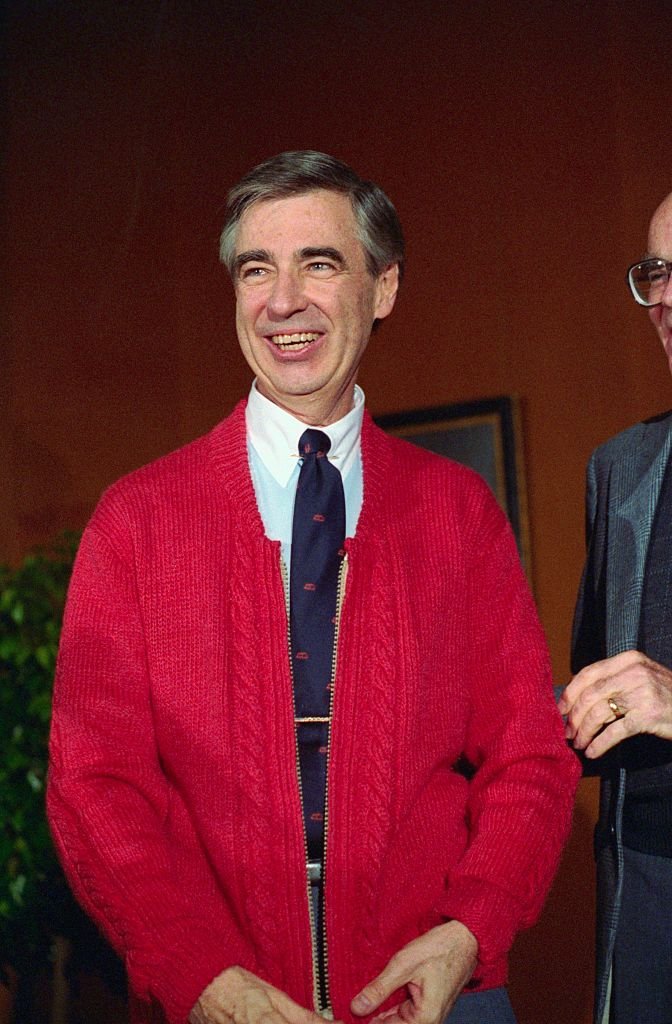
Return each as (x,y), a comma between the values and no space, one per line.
(228,452)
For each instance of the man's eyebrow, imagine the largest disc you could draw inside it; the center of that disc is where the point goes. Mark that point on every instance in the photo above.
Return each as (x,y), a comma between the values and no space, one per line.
(326,252)
(310,252)
(252,255)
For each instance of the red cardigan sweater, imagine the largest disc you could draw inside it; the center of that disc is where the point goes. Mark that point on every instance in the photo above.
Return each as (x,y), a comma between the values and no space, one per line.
(173,793)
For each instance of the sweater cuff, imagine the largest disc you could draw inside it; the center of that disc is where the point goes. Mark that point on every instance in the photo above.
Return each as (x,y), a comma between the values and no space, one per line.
(488,912)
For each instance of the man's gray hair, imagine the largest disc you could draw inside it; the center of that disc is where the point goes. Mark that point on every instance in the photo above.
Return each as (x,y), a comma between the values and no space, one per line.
(299,171)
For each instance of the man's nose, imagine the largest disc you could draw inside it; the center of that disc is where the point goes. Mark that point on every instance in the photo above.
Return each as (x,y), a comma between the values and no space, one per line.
(287,295)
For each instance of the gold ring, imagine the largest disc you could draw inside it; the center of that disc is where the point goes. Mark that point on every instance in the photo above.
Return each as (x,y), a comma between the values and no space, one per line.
(615,707)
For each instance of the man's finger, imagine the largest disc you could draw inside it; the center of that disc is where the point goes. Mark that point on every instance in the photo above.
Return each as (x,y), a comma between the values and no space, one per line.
(378,990)
(615,733)
(426,1002)
(590,720)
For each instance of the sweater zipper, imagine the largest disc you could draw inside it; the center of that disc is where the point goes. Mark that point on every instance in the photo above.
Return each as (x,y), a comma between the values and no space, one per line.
(324,1011)
(340,589)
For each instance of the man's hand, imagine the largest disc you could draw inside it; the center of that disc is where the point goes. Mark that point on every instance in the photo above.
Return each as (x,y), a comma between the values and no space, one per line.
(434,968)
(623,696)
(238,997)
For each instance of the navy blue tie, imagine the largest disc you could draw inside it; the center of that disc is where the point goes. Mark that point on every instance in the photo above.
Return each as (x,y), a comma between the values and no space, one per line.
(318,533)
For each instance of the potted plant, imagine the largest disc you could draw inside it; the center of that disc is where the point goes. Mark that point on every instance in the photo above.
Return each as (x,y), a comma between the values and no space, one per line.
(33,895)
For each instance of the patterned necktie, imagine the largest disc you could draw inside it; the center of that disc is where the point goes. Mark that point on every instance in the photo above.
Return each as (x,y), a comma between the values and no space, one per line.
(318,532)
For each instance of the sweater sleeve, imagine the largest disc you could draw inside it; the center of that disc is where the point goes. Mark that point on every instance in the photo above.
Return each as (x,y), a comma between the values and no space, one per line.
(521,795)
(108,797)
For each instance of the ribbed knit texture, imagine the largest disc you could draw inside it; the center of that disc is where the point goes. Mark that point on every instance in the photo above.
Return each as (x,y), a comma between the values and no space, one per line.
(173,790)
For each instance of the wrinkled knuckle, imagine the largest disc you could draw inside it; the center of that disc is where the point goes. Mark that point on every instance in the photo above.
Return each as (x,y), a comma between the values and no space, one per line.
(398,962)
(593,716)
(591,722)
(653,714)
(572,716)
(589,696)
(578,704)
(376,991)
(604,685)
(631,724)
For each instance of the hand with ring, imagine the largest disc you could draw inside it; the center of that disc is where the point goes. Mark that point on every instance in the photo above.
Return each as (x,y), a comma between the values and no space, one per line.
(611,700)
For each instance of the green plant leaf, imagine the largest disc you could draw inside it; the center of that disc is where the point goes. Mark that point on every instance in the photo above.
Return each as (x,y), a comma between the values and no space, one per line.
(32,596)
(17,612)
(17,888)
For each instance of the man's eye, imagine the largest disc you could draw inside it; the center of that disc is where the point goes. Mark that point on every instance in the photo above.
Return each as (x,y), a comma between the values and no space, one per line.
(321,267)
(248,273)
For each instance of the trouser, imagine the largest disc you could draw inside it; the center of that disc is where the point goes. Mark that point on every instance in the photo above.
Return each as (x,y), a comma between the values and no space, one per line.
(489,1007)
(641,983)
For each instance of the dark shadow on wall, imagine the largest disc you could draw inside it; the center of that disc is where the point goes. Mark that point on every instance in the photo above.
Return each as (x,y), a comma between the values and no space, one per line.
(543,986)
(46,498)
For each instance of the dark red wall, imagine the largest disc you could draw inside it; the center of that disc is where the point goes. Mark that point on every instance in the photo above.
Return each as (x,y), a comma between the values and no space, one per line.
(525,145)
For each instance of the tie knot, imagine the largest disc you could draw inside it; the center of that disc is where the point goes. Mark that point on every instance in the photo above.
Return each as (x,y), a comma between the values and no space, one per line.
(313,442)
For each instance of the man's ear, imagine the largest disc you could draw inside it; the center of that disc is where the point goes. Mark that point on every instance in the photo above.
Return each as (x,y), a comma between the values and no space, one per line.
(387,286)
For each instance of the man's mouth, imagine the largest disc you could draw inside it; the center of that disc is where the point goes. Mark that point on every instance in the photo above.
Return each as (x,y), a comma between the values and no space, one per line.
(294,342)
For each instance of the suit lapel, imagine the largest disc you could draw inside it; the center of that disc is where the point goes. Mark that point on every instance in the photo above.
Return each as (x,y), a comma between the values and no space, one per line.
(636,479)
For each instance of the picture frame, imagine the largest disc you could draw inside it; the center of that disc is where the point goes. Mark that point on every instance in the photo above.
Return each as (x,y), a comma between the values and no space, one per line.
(484,434)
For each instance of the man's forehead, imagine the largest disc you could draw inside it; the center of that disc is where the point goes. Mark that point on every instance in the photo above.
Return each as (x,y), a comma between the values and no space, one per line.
(318,216)
(660,229)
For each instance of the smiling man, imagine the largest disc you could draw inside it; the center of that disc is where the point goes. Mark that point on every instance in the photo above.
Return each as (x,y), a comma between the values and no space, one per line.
(619,704)
(305,755)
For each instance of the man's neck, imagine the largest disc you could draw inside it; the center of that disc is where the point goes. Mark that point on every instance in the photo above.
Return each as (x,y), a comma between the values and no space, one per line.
(314,410)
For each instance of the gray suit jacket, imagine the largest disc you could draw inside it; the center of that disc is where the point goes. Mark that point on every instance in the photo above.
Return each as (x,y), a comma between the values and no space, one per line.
(623,484)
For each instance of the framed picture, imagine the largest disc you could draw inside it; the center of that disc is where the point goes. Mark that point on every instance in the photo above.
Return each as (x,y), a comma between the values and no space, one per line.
(483,434)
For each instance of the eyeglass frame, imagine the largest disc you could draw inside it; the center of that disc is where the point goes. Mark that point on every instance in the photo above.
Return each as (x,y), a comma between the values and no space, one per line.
(639,263)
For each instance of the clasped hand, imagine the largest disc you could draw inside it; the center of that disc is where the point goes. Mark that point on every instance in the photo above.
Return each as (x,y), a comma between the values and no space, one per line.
(433,969)
(238,997)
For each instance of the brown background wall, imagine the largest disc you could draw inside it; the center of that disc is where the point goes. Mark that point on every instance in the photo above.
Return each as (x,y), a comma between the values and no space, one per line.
(525,146)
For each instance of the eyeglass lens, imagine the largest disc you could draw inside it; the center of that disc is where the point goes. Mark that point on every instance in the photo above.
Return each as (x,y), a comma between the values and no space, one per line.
(649,279)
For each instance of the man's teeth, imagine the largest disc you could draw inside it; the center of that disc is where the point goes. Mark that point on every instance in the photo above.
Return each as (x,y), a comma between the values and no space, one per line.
(294,341)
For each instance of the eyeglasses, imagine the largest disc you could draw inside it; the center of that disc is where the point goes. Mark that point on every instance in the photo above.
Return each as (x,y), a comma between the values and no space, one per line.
(648,281)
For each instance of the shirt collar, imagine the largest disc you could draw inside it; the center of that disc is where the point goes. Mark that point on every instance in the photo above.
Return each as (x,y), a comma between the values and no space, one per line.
(274,434)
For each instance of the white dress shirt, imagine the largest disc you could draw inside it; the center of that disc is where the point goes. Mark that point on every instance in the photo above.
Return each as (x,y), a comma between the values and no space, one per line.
(273,450)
